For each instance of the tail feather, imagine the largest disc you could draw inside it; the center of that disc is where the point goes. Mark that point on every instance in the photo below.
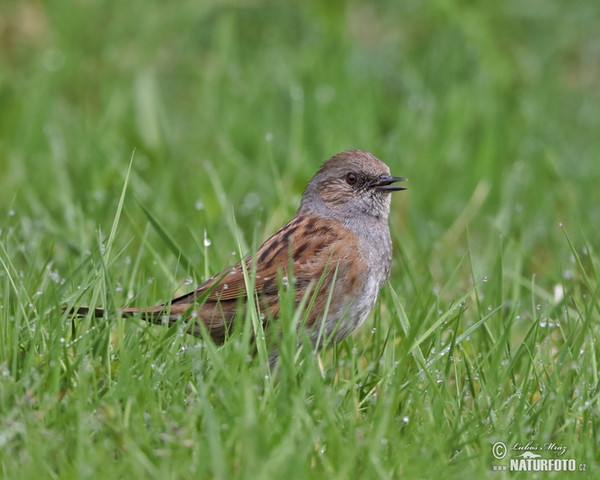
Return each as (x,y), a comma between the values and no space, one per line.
(217,323)
(151,314)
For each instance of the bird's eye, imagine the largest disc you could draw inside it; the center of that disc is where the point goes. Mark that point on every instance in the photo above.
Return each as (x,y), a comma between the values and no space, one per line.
(351,178)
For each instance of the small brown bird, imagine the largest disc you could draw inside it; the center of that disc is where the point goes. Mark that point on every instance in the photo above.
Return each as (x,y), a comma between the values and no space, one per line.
(338,245)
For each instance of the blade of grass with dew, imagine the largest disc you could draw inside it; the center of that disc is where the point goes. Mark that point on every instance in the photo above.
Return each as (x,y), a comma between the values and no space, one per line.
(113,230)
(440,321)
(167,238)
(415,350)
(17,289)
(167,271)
(222,197)
(593,291)
(252,309)
(464,335)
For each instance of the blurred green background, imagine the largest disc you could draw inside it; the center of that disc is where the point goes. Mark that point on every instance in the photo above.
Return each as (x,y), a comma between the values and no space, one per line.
(453,95)
(491,109)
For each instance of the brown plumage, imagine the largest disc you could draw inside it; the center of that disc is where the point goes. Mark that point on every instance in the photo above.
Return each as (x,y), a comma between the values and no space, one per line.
(338,242)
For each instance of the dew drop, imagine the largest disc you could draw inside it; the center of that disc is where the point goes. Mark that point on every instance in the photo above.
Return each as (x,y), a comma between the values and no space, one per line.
(54,276)
(559,293)
(207,241)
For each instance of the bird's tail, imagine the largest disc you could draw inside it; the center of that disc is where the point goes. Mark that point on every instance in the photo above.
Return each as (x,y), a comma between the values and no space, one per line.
(150,314)
(168,314)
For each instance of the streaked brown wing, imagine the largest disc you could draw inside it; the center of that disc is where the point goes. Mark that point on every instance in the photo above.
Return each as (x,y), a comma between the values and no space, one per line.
(312,242)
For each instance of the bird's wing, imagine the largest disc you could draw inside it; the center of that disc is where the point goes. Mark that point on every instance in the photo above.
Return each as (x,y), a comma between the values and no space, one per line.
(309,243)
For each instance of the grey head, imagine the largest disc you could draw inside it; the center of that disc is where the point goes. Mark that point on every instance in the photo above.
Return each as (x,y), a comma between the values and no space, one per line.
(350,184)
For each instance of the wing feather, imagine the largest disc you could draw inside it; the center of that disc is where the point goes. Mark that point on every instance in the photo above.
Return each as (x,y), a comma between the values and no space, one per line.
(311,242)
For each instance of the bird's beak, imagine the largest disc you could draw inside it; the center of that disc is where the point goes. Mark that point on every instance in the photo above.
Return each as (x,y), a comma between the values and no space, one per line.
(384,182)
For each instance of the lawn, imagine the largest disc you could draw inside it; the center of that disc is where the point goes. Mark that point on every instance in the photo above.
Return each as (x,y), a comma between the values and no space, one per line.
(144,146)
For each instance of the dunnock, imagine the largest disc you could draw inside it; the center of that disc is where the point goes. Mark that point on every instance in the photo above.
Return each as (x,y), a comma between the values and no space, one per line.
(338,245)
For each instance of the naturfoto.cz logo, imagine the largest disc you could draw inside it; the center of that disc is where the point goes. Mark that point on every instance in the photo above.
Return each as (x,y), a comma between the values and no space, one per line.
(529,461)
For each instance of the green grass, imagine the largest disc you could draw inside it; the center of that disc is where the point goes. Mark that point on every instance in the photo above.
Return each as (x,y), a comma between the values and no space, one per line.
(488,330)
